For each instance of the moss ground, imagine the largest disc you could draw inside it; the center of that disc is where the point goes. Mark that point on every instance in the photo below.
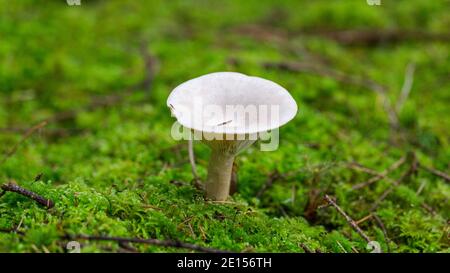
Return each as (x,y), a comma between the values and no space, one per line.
(111,169)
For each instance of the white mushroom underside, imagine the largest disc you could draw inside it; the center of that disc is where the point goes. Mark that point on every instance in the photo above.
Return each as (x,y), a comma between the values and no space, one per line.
(231,103)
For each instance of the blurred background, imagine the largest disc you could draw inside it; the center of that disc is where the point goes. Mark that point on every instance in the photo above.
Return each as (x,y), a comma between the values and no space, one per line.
(83,92)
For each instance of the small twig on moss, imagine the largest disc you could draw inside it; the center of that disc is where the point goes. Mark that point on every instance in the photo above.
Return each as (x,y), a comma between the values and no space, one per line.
(38,177)
(223,202)
(49,132)
(359,167)
(305,248)
(12,230)
(340,245)
(12,187)
(373,37)
(313,204)
(20,222)
(436,172)
(383,228)
(125,247)
(354,250)
(151,64)
(421,187)
(25,136)
(378,176)
(178,183)
(410,171)
(199,185)
(428,208)
(349,220)
(272,178)
(156,242)
(365,218)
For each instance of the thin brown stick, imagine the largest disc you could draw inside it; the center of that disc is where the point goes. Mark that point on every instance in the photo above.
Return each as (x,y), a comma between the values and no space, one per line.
(421,187)
(428,208)
(12,187)
(305,248)
(349,220)
(340,245)
(156,242)
(25,136)
(350,37)
(365,218)
(436,172)
(127,248)
(373,37)
(383,228)
(410,171)
(150,63)
(358,167)
(48,132)
(12,230)
(378,176)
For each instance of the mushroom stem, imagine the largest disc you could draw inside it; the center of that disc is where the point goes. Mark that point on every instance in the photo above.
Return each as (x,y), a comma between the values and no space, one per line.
(219,175)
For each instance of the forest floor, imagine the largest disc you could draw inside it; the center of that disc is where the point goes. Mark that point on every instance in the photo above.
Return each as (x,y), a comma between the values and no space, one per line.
(84,123)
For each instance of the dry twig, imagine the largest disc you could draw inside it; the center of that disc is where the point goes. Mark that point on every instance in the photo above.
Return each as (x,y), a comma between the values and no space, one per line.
(437,173)
(410,171)
(349,220)
(12,230)
(378,176)
(365,218)
(305,248)
(383,228)
(25,136)
(12,187)
(373,37)
(156,242)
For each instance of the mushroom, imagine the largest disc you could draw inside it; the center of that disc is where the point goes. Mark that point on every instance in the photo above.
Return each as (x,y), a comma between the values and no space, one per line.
(229,111)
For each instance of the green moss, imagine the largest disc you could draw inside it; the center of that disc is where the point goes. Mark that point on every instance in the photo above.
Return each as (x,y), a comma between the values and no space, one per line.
(109,170)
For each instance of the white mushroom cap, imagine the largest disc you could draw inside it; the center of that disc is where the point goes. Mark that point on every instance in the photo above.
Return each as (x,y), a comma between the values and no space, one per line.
(231,103)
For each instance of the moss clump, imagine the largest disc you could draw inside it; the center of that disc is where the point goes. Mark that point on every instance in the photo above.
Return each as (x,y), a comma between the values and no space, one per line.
(109,169)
